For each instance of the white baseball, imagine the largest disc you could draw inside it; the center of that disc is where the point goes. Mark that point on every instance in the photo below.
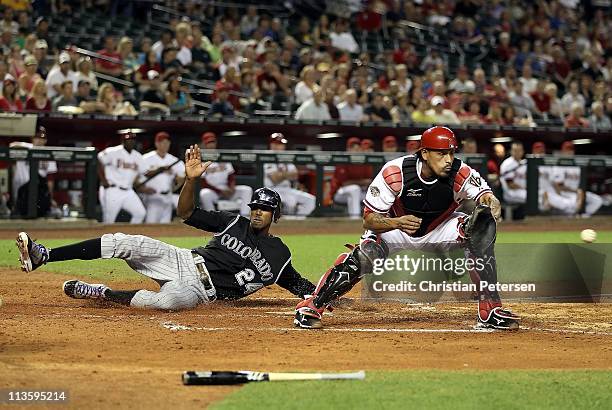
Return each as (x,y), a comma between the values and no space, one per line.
(588,235)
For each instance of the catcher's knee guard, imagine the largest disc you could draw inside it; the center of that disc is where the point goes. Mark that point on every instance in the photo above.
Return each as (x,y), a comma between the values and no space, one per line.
(348,271)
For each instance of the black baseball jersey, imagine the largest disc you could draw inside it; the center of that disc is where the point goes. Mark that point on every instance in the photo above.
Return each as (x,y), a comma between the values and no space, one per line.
(399,190)
(241,262)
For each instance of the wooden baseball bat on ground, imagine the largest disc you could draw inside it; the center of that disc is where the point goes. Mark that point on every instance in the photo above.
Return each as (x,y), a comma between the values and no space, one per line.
(232,377)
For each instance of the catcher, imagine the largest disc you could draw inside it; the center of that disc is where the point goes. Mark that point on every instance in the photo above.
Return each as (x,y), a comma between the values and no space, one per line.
(411,205)
(240,259)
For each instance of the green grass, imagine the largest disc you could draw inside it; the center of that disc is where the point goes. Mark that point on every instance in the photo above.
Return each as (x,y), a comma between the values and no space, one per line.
(312,254)
(434,389)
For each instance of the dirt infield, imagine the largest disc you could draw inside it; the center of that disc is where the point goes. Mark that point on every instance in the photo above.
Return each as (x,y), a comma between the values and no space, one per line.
(121,357)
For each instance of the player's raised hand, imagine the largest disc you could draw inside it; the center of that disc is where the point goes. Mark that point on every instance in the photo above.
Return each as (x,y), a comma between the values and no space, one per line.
(408,223)
(194,168)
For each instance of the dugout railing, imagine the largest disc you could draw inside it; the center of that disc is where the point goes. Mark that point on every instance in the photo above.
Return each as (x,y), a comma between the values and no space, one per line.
(59,154)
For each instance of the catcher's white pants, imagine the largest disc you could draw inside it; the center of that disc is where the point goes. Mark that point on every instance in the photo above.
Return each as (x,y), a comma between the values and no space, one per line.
(352,196)
(114,200)
(158,208)
(515,196)
(295,201)
(162,262)
(243,193)
(444,237)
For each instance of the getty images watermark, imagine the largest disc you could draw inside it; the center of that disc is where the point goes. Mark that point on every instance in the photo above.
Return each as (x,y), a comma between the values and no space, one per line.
(546,272)
(454,267)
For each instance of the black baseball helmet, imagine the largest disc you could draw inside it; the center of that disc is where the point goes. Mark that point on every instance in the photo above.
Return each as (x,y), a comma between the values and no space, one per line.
(268,198)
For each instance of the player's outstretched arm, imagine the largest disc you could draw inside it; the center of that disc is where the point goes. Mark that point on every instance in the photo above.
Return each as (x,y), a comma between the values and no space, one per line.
(194,168)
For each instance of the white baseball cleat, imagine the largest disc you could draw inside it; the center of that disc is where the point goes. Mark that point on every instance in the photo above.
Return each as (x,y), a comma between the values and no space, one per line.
(77,289)
(31,254)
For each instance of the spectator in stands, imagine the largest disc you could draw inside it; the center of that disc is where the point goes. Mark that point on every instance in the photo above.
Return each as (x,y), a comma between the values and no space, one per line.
(200,58)
(376,111)
(462,84)
(576,119)
(40,53)
(85,73)
(183,33)
(571,97)
(110,51)
(42,32)
(166,39)
(16,63)
(29,76)
(84,98)
(177,97)
(598,119)
(529,83)
(314,108)
(421,114)
(303,89)
(111,103)
(440,114)
(541,99)
(59,74)
(141,76)
(8,23)
(472,114)
(322,28)
(221,106)
(404,83)
(125,49)
(66,97)
(521,101)
(145,46)
(341,37)
(329,97)
(401,112)
(350,182)
(154,100)
(349,109)
(249,21)
(169,63)
(38,101)
(10,95)
(389,144)
(556,107)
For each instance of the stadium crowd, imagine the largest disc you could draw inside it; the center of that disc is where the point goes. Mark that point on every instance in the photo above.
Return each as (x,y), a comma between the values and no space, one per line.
(543,63)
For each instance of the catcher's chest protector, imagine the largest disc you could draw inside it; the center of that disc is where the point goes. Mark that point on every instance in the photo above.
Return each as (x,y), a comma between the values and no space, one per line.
(427,201)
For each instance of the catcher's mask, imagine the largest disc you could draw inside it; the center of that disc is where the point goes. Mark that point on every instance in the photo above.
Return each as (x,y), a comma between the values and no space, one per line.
(267,198)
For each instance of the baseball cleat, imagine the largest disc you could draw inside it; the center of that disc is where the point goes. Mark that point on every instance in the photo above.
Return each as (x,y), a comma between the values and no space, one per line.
(307,318)
(31,254)
(499,318)
(81,290)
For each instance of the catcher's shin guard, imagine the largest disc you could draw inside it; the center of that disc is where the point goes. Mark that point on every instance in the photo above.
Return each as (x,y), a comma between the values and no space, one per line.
(347,271)
(481,231)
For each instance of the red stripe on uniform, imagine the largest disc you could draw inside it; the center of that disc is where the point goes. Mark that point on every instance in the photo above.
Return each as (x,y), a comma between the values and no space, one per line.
(434,224)
(393,178)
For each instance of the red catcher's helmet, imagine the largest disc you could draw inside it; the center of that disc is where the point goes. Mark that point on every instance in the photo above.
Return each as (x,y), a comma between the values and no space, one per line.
(441,138)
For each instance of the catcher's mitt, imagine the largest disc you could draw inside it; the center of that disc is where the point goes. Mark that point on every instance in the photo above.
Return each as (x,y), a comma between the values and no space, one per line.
(480,230)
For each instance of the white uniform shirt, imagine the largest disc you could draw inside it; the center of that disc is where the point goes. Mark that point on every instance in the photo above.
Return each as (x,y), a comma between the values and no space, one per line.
(121,167)
(217,174)
(512,170)
(163,182)
(568,176)
(270,168)
(348,113)
(380,197)
(21,175)
(56,77)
